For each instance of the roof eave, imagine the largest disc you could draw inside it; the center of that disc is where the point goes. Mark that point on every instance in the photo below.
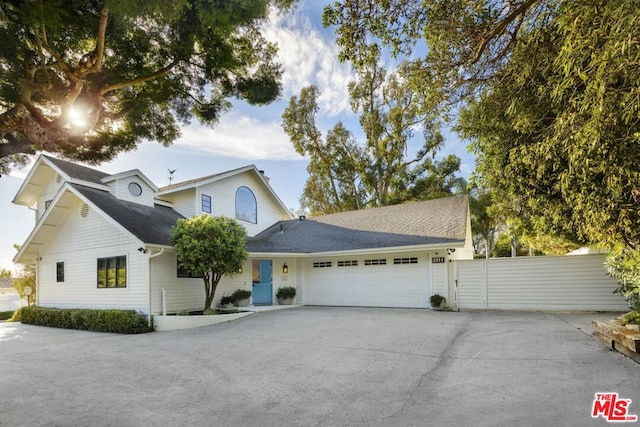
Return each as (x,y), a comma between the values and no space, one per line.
(67,187)
(364,251)
(198,183)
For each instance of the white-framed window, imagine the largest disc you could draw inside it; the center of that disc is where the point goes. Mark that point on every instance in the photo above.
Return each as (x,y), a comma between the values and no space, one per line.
(246,205)
(60,272)
(112,272)
(206,203)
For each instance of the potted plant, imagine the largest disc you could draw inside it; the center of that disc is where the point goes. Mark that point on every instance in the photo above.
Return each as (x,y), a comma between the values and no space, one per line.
(285,295)
(226,301)
(438,302)
(241,297)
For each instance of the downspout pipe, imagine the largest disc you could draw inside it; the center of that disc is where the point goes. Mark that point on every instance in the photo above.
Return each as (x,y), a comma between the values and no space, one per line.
(151,256)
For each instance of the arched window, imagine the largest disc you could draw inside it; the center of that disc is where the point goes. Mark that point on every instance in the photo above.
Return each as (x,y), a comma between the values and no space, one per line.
(246,206)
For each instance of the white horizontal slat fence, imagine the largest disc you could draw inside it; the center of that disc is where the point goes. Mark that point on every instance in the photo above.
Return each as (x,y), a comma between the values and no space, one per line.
(577,282)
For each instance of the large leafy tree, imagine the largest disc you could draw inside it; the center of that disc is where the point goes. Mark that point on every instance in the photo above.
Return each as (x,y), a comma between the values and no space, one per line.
(336,163)
(91,78)
(549,95)
(345,174)
(484,224)
(211,246)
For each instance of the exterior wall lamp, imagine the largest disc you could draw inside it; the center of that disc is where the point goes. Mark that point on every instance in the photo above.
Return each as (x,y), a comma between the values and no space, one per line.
(285,268)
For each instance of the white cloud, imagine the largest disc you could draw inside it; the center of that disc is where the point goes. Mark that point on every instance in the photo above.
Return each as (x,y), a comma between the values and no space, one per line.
(309,55)
(240,137)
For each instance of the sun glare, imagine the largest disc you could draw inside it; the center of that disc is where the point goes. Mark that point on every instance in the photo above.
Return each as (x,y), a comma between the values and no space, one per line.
(76,118)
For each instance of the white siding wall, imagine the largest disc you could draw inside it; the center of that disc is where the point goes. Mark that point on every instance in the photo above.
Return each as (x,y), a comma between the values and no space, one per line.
(48,194)
(538,283)
(291,278)
(439,275)
(180,293)
(188,294)
(223,201)
(185,202)
(228,284)
(120,189)
(79,242)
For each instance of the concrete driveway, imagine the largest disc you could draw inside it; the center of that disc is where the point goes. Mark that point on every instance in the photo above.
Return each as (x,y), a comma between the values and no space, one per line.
(318,366)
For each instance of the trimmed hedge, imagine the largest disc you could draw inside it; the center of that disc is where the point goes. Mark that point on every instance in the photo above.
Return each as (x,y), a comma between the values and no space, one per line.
(4,315)
(117,321)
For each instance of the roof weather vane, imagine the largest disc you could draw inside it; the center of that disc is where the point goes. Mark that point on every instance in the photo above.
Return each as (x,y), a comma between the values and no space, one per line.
(171,172)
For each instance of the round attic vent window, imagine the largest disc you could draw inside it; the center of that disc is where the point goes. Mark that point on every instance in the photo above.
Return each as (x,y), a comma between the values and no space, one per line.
(135,189)
(84,211)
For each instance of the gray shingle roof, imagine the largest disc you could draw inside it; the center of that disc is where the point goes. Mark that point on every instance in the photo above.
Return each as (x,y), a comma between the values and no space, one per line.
(440,221)
(77,171)
(151,225)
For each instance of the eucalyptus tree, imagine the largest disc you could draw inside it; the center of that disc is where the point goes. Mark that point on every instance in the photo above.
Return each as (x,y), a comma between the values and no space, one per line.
(382,169)
(548,95)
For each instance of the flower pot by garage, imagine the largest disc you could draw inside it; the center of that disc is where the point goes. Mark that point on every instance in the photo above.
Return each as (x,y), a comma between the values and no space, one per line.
(241,297)
(285,295)
(438,302)
(243,302)
(442,306)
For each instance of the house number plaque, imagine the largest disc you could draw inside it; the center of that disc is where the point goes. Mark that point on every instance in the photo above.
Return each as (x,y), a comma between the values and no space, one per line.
(437,260)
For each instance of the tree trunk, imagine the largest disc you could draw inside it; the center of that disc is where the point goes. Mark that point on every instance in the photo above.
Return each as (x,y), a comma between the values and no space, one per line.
(210,285)
(32,130)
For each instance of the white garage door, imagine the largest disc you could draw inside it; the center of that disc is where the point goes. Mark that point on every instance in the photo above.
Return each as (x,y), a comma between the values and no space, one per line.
(381,281)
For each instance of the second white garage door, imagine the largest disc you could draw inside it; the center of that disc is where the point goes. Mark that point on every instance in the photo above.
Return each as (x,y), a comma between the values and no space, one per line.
(380,281)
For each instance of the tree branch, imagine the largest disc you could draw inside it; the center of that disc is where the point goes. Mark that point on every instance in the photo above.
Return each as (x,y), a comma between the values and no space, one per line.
(139,80)
(14,146)
(501,27)
(102,29)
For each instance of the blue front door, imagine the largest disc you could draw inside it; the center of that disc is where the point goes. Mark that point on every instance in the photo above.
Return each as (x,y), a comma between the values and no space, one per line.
(262,282)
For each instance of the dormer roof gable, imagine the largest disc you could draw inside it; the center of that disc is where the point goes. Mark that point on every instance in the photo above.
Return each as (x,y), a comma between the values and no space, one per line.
(129,174)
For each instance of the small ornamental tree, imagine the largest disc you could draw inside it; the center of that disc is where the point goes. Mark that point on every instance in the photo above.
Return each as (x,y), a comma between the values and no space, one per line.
(210,246)
(20,284)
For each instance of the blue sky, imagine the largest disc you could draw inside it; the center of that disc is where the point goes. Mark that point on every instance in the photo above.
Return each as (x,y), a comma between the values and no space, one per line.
(245,135)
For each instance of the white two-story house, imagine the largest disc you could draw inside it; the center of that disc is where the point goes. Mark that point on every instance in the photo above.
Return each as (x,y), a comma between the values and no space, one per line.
(102,241)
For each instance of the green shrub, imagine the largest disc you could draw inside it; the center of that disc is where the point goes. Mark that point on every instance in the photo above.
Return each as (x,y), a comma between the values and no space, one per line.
(182,313)
(632,318)
(240,294)
(117,321)
(226,299)
(436,300)
(286,292)
(210,311)
(4,315)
